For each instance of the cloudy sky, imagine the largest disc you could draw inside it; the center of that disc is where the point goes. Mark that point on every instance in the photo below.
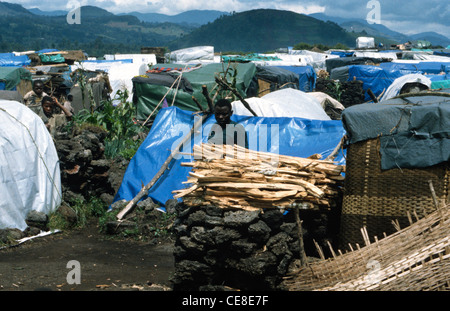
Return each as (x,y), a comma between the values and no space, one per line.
(406,16)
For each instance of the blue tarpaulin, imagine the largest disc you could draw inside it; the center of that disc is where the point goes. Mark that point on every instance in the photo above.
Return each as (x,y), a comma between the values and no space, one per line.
(307,77)
(420,67)
(11,60)
(375,77)
(342,53)
(288,136)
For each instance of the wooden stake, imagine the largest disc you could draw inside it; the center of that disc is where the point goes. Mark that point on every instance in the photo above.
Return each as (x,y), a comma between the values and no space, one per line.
(303,260)
(129,207)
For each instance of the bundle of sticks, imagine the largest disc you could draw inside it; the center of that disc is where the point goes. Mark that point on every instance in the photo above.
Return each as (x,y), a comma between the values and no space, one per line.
(235,177)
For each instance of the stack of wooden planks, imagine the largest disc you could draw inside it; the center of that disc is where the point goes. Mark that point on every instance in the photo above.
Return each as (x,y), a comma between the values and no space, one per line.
(235,177)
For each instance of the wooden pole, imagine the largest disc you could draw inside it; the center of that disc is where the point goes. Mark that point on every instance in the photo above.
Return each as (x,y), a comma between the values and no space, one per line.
(130,206)
(227,86)
(208,99)
(303,260)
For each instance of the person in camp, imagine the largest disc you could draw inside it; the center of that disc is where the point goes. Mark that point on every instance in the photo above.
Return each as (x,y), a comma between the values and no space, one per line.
(225,131)
(68,104)
(34,97)
(51,119)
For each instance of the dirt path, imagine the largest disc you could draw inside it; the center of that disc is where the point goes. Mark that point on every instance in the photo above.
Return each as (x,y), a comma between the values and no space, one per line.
(105,264)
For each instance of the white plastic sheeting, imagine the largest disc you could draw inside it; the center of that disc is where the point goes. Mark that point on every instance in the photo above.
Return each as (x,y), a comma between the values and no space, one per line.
(324,98)
(315,59)
(191,55)
(284,60)
(29,166)
(365,42)
(289,103)
(149,59)
(120,73)
(388,55)
(394,89)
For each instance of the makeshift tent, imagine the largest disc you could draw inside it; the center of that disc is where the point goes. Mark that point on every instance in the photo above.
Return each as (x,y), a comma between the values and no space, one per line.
(288,136)
(374,77)
(192,54)
(315,59)
(396,86)
(149,59)
(149,92)
(283,103)
(15,79)
(413,131)
(343,53)
(365,42)
(332,63)
(274,78)
(306,77)
(252,57)
(120,73)
(417,66)
(30,174)
(11,59)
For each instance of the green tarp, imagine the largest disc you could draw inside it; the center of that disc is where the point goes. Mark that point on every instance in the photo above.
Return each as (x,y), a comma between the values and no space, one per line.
(148,92)
(11,76)
(57,58)
(443,84)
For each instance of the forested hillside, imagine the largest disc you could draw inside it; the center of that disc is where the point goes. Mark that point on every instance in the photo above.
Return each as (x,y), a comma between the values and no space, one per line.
(264,30)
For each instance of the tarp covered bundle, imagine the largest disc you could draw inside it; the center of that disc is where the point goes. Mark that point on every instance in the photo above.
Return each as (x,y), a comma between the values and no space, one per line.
(10,59)
(374,78)
(10,77)
(283,103)
(414,131)
(29,165)
(277,77)
(306,75)
(192,54)
(288,136)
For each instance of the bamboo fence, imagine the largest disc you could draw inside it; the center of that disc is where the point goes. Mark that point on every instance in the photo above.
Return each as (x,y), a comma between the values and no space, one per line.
(416,258)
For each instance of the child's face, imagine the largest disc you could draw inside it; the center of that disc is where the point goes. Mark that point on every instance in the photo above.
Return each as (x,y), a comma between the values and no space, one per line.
(38,89)
(48,108)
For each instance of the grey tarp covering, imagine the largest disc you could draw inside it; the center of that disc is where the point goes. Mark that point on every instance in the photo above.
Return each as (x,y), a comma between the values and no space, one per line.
(332,63)
(277,77)
(414,131)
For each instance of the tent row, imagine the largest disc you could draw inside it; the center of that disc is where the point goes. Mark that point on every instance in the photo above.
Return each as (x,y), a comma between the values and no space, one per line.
(278,88)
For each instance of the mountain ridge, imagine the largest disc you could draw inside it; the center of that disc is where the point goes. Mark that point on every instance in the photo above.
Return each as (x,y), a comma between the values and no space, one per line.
(197,18)
(102,32)
(379,29)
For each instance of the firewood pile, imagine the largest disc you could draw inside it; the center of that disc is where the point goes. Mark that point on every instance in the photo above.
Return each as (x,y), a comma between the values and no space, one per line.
(235,177)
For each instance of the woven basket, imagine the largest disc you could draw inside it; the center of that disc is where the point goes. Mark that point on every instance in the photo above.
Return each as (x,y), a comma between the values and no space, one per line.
(374,198)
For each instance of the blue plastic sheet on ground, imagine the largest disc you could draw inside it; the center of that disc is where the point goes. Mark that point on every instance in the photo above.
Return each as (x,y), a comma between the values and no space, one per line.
(307,77)
(288,136)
